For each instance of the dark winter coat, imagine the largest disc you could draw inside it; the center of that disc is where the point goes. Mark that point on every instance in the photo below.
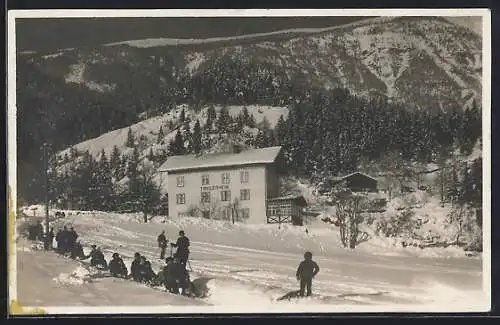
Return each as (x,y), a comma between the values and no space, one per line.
(182,245)
(96,258)
(77,251)
(39,231)
(146,272)
(307,269)
(135,269)
(72,237)
(117,267)
(162,241)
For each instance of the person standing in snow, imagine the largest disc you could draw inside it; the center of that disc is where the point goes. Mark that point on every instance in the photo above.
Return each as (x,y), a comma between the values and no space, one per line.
(306,271)
(162,244)
(50,238)
(182,245)
(39,231)
(71,239)
(116,267)
(61,240)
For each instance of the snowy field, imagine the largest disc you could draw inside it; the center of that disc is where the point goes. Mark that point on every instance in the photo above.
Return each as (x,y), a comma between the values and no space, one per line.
(246,267)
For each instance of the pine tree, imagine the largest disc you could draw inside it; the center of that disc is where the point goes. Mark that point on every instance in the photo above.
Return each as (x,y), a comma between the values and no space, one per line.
(114,159)
(73,152)
(261,141)
(151,155)
(161,135)
(103,186)
(183,116)
(130,139)
(224,120)
(178,144)
(196,138)
(245,116)
(211,117)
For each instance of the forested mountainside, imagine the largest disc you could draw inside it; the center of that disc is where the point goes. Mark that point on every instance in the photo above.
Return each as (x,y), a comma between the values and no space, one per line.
(410,85)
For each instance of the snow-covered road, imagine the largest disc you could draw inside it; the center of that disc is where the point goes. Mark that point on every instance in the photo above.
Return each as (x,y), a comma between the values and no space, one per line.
(254,266)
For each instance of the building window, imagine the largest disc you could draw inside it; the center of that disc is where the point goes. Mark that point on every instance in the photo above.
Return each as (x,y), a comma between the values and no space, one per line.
(180,181)
(205,180)
(206,214)
(244,213)
(227,213)
(226,179)
(245,195)
(225,195)
(205,197)
(180,198)
(244,176)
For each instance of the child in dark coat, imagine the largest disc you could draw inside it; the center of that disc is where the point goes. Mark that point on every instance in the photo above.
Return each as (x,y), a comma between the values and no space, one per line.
(306,271)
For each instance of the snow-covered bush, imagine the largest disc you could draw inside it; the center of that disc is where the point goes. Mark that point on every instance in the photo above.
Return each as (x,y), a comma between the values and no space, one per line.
(402,223)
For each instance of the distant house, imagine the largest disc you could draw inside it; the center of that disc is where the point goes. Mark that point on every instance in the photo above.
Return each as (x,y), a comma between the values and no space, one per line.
(356,182)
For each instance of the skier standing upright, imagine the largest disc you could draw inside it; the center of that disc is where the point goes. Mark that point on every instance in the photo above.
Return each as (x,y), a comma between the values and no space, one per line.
(306,271)
(162,244)
(182,245)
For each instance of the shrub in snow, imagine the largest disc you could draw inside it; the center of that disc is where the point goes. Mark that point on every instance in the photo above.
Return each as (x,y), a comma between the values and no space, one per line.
(402,223)
(348,217)
(467,232)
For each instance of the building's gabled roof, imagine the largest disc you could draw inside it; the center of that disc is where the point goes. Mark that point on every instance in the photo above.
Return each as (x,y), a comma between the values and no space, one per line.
(341,178)
(247,157)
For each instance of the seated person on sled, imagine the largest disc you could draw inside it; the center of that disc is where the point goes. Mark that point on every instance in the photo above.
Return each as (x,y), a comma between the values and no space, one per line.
(116,267)
(96,258)
(145,271)
(176,276)
(77,251)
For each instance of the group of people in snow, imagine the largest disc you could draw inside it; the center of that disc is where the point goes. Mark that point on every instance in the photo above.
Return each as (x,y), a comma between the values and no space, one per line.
(174,275)
(66,241)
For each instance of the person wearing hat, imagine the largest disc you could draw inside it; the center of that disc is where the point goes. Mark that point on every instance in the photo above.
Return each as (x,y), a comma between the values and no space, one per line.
(116,267)
(306,271)
(182,245)
(96,257)
(162,244)
(135,267)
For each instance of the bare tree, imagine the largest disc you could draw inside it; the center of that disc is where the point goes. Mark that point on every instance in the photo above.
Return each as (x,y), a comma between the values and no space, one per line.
(348,218)
(235,206)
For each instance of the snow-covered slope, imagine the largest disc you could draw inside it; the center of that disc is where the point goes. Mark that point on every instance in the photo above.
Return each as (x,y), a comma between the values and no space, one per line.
(420,61)
(148,128)
(251,265)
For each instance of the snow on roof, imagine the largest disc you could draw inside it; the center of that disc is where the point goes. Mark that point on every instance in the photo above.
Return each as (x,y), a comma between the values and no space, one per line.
(340,178)
(254,156)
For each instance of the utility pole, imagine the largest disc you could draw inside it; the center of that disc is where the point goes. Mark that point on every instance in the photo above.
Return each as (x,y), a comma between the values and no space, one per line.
(46,176)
